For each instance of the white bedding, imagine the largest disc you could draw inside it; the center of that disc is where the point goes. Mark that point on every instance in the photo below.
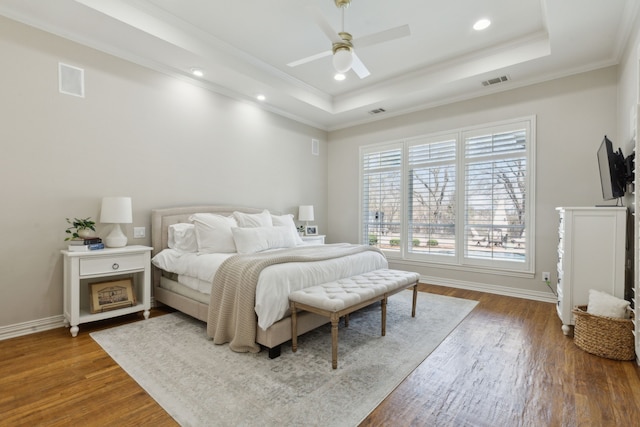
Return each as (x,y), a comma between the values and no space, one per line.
(275,283)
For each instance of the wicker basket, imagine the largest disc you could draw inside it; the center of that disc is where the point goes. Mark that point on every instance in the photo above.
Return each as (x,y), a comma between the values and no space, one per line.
(603,336)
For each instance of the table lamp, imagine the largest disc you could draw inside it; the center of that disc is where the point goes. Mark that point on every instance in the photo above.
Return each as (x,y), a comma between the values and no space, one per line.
(116,210)
(305,213)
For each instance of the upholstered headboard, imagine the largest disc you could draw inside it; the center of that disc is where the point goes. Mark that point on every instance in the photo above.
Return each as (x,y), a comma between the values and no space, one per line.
(161,219)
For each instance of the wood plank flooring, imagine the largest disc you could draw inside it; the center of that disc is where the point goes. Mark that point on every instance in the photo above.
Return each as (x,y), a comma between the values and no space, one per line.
(507,364)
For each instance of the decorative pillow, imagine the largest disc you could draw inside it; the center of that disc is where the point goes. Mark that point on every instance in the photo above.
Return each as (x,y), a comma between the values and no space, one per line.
(213,232)
(287,221)
(257,239)
(262,219)
(182,237)
(604,304)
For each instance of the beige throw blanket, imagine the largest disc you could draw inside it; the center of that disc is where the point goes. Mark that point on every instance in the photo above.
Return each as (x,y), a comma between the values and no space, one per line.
(231,316)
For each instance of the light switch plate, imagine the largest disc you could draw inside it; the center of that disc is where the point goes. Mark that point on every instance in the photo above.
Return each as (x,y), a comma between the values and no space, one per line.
(139,232)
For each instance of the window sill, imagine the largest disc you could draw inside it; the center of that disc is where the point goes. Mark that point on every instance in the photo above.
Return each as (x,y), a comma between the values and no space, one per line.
(465,268)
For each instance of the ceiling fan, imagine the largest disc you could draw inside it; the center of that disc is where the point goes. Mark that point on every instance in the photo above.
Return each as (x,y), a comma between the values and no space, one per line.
(344,56)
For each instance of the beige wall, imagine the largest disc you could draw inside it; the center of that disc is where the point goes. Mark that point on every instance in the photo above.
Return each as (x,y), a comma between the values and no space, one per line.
(160,140)
(572,116)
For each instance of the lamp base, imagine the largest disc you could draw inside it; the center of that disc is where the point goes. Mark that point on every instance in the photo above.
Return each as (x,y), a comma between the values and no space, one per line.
(115,239)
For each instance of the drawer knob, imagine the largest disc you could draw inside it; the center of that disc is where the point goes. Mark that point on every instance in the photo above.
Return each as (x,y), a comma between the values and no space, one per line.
(115,266)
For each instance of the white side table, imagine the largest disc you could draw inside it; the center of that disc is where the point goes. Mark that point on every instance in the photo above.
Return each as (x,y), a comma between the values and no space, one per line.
(83,268)
(314,240)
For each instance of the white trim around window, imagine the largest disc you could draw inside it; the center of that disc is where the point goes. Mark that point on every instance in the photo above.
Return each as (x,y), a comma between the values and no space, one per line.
(463,198)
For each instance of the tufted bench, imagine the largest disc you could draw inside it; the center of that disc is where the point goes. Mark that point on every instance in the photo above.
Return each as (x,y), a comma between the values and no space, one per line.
(344,296)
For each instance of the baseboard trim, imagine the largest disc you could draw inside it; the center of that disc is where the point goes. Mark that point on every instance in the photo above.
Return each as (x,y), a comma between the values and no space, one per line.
(40,325)
(491,289)
(31,327)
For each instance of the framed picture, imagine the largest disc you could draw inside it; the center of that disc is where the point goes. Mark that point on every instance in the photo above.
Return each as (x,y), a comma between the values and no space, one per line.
(111,295)
(311,230)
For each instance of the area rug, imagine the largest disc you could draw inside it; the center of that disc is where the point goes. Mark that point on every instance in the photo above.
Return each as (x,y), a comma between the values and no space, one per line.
(202,384)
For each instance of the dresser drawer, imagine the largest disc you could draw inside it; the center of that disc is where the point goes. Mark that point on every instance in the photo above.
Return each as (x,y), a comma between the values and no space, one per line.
(111,264)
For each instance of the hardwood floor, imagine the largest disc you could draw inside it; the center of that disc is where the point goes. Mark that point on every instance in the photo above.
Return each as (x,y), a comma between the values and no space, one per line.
(507,364)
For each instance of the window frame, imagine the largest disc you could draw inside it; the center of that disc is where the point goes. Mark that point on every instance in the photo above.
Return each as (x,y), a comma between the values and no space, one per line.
(460,260)
(430,139)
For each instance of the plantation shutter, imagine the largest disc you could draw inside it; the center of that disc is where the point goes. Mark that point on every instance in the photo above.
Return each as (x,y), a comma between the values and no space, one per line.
(381,196)
(495,194)
(431,196)
(463,198)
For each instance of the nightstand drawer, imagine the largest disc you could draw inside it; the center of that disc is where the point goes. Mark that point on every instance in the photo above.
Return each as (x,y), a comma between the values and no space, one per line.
(111,264)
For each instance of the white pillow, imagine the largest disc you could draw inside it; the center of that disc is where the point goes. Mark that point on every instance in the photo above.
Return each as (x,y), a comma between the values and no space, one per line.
(287,221)
(213,232)
(182,237)
(262,219)
(167,260)
(604,304)
(257,239)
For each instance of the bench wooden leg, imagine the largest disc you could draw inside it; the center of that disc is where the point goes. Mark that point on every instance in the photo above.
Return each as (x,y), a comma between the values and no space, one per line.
(334,340)
(383,322)
(294,327)
(415,297)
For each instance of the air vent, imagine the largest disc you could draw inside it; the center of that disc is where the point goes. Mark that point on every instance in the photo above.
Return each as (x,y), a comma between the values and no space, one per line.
(495,81)
(377,111)
(70,80)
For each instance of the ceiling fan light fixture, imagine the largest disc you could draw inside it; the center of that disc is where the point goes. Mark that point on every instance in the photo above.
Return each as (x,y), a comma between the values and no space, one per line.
(342,60)
(339,77)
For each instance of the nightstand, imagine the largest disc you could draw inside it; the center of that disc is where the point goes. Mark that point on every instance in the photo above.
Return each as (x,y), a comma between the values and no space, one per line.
(313,240)
(81,269)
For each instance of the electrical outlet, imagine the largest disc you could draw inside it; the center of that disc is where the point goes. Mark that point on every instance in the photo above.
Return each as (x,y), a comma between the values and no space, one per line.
(546,276)
(139,232)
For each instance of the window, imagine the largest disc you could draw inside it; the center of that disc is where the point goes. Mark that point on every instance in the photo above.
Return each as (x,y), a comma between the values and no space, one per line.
(431,186)
(463,198)
(381,207)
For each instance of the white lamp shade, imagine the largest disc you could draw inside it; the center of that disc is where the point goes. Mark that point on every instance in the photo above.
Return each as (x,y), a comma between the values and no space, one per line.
(342,60)
(305,213)
(116,210)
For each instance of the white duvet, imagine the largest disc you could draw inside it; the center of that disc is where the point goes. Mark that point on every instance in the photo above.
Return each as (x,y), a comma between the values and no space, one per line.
(276,282)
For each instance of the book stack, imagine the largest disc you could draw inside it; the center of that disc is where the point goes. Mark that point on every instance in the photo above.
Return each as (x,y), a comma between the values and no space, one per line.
(88,244)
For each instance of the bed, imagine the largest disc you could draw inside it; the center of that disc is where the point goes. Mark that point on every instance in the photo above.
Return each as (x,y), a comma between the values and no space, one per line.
(191,288)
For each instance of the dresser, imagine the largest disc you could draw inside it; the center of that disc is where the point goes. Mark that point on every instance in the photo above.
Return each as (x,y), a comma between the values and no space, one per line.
(592,253)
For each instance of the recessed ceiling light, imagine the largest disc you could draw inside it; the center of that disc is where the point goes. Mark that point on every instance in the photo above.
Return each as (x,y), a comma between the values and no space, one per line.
(481,24)
(261,97)
(339,77)
(197,72)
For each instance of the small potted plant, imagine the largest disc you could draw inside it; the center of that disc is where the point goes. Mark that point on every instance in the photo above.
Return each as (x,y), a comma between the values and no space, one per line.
(80,228)
(301,230)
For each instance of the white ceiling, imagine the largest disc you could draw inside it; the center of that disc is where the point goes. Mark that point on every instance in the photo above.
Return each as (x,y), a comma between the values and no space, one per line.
(244,46)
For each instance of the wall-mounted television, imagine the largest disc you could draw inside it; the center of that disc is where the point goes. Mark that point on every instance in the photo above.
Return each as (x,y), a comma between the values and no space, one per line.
(615,170)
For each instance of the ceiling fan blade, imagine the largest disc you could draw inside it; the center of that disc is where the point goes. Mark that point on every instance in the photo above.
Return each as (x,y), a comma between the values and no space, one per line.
(383,36)
(310,58)
(324,25)
(358,67)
